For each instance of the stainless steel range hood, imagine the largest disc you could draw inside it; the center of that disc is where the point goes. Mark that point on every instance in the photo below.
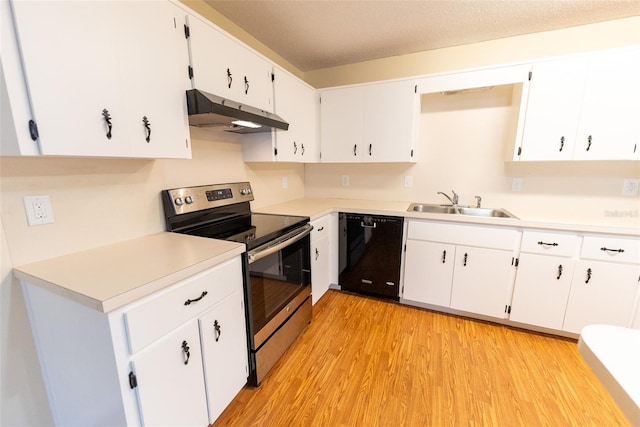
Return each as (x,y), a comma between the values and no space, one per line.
(208,110)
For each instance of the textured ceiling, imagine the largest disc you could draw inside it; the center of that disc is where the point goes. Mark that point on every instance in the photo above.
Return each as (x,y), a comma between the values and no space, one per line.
(317,34)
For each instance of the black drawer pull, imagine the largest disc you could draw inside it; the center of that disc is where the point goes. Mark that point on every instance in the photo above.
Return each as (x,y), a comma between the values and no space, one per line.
(588,275)
(217,330)
(321,228)
(185,351)
(444,256)
(559,272)
(547,244)
(465,260)
(189,301)
(612,250)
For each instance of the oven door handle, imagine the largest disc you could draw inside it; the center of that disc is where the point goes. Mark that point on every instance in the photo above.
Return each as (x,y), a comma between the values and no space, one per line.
(273,247)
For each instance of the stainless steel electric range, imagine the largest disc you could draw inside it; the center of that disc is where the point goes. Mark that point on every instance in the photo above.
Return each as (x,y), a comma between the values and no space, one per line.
(277,264)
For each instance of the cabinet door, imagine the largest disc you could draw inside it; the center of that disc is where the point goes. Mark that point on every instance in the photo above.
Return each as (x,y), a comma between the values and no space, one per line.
(390,114)
(255,85)
(341,125)
(609,128)
(541,290)
(154,67)
(428,272)
(224,352)
(170,387)
(319,268)
(72,76)
(481,280)
(297,103)
(601,292)
(553,109)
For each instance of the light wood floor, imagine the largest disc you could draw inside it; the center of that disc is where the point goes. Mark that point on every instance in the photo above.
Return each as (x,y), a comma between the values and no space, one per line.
(366,362)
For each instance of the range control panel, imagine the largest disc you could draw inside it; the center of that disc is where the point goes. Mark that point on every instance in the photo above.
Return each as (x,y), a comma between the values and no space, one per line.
(192,199)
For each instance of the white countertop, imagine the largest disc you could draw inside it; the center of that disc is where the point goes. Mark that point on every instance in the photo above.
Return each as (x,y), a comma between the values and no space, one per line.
(613,354)
(316,208)
(112,276)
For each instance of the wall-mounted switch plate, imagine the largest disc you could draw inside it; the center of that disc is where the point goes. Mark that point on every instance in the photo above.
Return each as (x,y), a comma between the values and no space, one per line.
(516,184)
(38,210)
(630,187)
(345,180)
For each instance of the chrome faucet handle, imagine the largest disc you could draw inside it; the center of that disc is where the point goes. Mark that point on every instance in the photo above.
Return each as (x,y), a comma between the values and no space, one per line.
(478,201)
(455,198)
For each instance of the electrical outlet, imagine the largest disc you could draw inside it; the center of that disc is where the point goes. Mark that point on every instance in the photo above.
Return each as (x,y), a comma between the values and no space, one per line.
(516,184)
(345,180)
(38,210)
(408,181)
(285,182)
(630,187)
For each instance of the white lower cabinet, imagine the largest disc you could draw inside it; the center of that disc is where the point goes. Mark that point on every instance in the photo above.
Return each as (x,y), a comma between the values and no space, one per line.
(320,257)
(171,390)
(175,357)
(463,267)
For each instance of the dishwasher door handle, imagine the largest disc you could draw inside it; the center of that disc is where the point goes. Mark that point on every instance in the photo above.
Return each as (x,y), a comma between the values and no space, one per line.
(363,225)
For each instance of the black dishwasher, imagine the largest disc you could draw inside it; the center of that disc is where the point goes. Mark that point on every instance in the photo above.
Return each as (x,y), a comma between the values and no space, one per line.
(370,252)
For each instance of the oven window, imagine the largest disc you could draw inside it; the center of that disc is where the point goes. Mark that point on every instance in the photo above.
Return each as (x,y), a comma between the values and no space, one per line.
(276,279)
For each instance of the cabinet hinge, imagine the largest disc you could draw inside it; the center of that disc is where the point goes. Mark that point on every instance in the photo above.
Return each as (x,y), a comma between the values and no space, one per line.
(519,150)
(515,261)
(190,71)
(405,247)
(530,75)
(133,381)
(33,130)
(415,89)
(635,146)
(187,32)
(273,77)
(412,152)
(507,309)
(275,151)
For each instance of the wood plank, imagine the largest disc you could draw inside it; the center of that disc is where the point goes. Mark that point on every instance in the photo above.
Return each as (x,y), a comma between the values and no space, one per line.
(368,362)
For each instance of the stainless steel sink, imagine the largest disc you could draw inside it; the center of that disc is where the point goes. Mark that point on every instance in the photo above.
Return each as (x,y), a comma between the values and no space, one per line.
(460,210)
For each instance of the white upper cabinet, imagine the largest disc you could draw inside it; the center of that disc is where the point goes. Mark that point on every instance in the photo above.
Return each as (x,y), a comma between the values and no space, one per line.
(583,108)
(92,78)
(370,123)
(609,128)
(224,67)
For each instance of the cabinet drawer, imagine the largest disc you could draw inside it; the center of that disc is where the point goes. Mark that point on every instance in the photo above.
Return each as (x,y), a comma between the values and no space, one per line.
(159,314)
(557,244)
(470,235)
(611,249)
(320,228)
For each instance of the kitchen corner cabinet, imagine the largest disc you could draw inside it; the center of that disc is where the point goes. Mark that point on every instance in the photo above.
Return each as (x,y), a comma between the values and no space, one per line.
(297,103)
(543,279)
(369,123)
(176,357)
(97,89)
(605,283)
(224,67)
(583,108)
(462,267)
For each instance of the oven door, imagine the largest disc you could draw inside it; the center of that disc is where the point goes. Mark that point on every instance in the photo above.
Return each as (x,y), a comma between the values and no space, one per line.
(279,282)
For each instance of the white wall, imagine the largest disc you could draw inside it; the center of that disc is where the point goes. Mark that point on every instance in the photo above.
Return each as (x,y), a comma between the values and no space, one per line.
(97,202)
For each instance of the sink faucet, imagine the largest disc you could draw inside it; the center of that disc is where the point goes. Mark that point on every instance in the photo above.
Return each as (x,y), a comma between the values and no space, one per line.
(453,201)
(478,201)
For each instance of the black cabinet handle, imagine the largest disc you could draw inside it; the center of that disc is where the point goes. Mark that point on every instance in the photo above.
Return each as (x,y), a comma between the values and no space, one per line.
(612,250)
(295,147)
(547,244)
(302,146)
(464,263)
(444,256)
(216,330)
(246,85)
(561,143)
(189,301)
(559,271)
(589,140)
(321,228)
(355,152)
(229,78)
(317,254)
(185,352)
(147,127)
(588,275)
(369,149)
(107,118)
